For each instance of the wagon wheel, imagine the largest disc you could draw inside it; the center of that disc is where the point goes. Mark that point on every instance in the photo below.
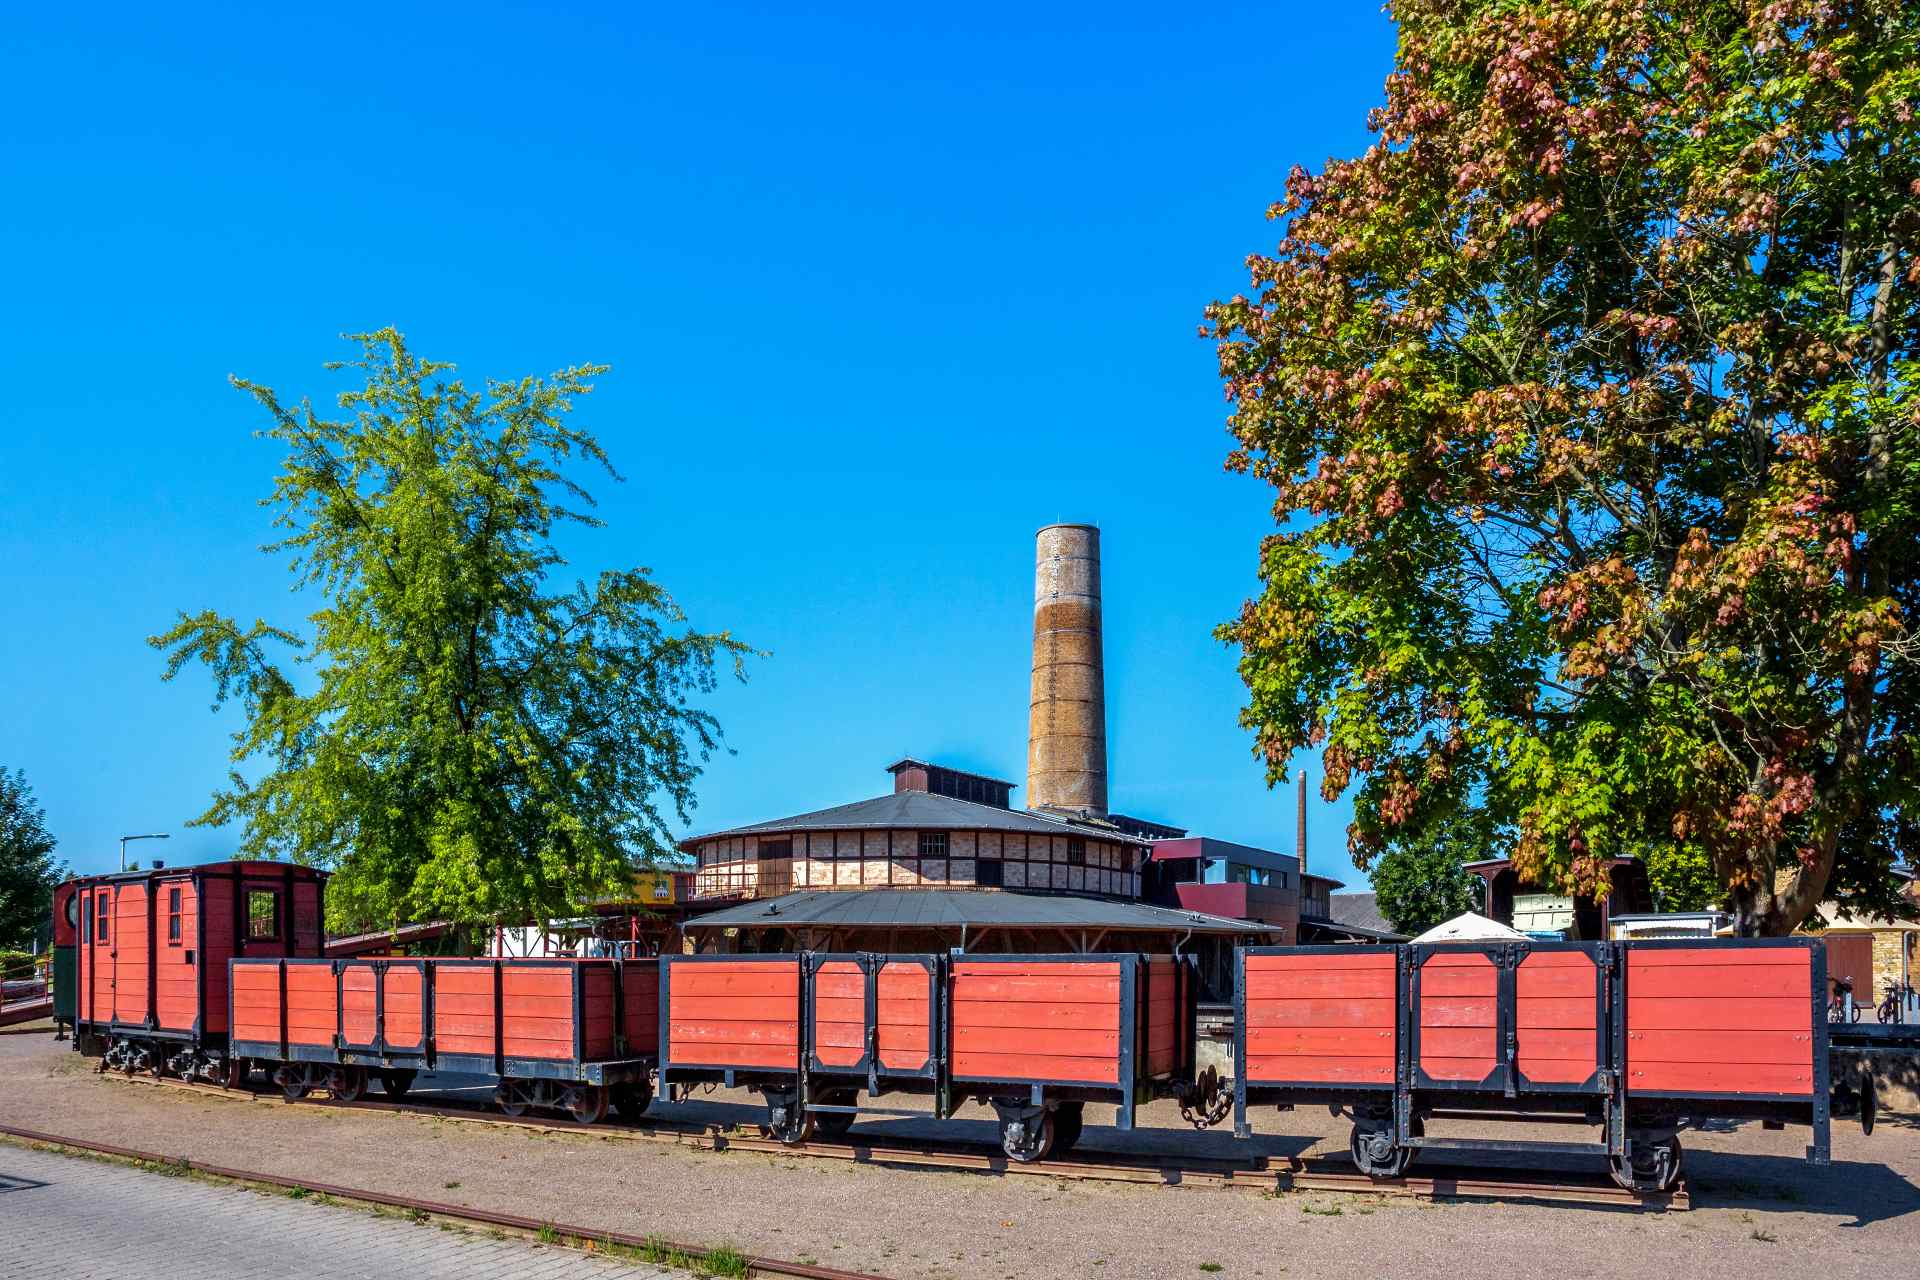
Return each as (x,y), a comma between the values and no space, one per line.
(1869,1104)
(1376,1154)
(1655,1166)
(292,1087)
(347,1084)
(788,1122)
(833,1125)
(507,1096)
(587,1103)
(395,1084)
(1028,1140)
(237,1073)
(631,1099)
(1068,1122)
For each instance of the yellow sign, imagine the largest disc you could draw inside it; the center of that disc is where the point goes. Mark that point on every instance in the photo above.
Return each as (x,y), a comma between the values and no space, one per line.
(653,887)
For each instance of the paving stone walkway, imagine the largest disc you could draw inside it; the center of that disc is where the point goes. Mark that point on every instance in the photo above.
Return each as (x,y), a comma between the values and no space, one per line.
(72,1218)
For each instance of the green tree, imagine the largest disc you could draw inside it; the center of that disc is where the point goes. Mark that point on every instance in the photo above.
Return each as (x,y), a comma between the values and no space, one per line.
(1588,395)
(28,871)
(1418,881)
(471,739)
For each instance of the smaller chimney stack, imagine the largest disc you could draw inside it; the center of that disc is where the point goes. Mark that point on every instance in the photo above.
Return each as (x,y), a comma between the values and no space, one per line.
(1300,824)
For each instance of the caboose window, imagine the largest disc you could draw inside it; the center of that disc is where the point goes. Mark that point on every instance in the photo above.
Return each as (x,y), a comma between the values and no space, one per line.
(100,932)
(263,914)
(173,916)
(86,921)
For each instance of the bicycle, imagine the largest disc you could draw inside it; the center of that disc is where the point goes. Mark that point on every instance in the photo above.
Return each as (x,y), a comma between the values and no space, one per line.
(1841,1004)
(1894,1005)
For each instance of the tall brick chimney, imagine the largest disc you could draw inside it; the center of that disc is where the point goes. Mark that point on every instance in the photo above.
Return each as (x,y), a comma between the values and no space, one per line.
(1300,824)
(1067,721)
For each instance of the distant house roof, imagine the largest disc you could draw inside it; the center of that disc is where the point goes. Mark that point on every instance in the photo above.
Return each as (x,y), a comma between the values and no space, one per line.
(1361,909)
(953,908)
(924,809)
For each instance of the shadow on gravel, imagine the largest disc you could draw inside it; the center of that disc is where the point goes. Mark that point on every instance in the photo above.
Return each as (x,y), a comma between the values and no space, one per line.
(1864,1193)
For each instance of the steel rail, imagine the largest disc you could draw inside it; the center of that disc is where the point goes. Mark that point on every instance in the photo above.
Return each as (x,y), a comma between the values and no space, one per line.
(1252,1174)
(463,1213)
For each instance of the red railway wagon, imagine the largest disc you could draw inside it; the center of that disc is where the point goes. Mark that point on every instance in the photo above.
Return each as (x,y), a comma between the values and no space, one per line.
(1643,1039)
(1036,1037)
(152,952)
(577,1035)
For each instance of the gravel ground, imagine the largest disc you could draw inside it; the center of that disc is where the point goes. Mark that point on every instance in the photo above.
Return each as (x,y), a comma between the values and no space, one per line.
(1757,1204)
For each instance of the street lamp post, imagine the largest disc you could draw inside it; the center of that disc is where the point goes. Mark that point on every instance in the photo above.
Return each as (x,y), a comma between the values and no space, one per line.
(123,845)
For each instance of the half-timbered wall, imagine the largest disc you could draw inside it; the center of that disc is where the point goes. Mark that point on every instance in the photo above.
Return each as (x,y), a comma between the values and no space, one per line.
(766,865)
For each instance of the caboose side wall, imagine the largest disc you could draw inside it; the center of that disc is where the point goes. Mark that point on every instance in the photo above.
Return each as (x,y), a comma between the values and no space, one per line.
(161,969)
(130,954)
(177,953)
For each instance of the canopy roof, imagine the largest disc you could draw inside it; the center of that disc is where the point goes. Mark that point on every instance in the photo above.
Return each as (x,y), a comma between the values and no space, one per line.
(957,908)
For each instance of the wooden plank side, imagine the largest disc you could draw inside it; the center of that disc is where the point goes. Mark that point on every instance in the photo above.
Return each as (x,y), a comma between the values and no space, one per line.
(1730,1018)
(1322,1018)
(1369,959)
(1024,1066)
(1284,1069)
(642,981)
(1720,981)
(904,1038)
(735,1013)
(1376,1013)
(1768,1079)
(405,995)
(1664,1013)
(358,1001)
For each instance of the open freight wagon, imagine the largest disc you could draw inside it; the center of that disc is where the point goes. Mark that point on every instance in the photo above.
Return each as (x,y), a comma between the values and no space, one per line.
(575,1035)
(1642,1039)
(1036,1037)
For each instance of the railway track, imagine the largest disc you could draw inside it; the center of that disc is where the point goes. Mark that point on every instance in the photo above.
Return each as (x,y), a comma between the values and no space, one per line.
(567,1233)
(1258,1174)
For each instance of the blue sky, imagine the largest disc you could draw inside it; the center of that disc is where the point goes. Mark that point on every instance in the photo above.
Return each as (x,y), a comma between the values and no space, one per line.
(883,292)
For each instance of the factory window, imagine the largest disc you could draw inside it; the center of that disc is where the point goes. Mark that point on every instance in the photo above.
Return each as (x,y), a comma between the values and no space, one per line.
(263,914)
(173,916)
(1076,851)
(782,848)
(933,844)
(989,873)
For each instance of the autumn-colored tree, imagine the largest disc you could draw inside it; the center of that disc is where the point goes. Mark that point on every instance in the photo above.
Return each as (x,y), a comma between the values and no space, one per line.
(474,736)
(1589,396)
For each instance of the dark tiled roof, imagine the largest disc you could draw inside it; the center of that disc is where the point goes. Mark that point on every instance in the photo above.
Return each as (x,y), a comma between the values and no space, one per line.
(916,809)
(951,908)
(1358,911)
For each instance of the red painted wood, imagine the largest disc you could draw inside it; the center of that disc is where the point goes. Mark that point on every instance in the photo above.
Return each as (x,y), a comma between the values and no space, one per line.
(1663,1013)
(1322,1013)
(1035,1066)
(1743,1078)
(1479,1012)
(1285,1069)
(1560,1012)
(1320,1042)
(1737,980)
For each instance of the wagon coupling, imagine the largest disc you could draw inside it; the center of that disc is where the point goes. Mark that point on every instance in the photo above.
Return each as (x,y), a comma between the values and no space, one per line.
(1208,1101)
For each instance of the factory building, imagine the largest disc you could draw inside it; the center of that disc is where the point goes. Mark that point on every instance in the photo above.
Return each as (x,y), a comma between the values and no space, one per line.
(945,859)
